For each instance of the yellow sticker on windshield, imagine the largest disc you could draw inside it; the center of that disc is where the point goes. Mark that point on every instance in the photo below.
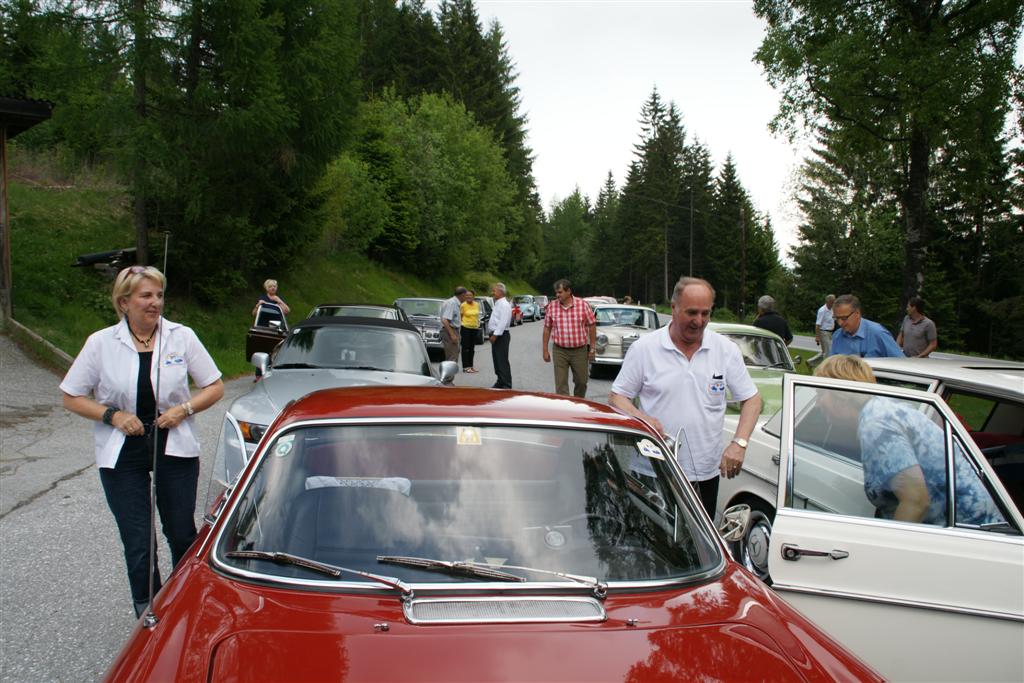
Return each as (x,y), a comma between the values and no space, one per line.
(469,436)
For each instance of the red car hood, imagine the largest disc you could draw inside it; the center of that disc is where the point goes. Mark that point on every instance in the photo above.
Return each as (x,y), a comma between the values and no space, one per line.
(214,629)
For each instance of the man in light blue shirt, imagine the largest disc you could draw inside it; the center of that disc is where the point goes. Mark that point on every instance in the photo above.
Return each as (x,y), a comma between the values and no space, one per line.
(858,336)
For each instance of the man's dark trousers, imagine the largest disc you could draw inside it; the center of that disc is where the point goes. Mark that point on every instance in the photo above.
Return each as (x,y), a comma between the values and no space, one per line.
(499,355)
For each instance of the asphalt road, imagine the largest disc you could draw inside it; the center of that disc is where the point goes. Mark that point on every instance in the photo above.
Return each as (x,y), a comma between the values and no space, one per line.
(65,608)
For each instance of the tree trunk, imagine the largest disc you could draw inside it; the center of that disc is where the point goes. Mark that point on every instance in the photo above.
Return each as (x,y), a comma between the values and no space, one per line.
(915,215)
(139,167)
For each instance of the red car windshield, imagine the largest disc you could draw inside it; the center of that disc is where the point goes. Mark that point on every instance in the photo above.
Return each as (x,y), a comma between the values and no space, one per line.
(585,502)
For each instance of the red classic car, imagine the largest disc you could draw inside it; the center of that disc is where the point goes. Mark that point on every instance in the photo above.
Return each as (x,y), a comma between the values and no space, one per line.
(464,534)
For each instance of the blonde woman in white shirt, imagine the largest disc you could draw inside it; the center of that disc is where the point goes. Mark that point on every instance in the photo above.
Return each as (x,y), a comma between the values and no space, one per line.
(112,382)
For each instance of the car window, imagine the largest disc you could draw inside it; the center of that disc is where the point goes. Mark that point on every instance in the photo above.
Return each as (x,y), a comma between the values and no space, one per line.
(762,351)
(354,347)
(880,457)
(270,315)
(354,311)
(421,307)
(586,502)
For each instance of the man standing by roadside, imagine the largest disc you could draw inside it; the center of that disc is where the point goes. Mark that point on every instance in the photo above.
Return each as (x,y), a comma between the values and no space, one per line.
(917,336)
(769,319)
(824,325)
(681,374)
(858,336)
(497,333)
(570,324)
(451,323)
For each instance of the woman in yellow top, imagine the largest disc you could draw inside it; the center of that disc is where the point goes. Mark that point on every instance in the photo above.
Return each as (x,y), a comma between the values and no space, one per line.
(470,329)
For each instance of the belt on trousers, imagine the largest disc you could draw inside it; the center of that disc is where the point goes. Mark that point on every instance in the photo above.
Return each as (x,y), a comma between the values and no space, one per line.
(572,348)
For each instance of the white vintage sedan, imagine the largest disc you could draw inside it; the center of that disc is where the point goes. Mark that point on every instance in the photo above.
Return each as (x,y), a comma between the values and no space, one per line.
(941,598)
(618,326)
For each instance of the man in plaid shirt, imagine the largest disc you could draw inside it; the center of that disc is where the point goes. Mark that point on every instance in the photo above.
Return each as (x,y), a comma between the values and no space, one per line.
(569,323)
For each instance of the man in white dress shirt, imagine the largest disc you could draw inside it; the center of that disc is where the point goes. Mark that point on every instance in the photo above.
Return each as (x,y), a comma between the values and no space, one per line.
(497,332)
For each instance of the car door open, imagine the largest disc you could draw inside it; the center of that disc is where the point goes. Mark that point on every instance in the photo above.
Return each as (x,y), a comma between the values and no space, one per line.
(895,535)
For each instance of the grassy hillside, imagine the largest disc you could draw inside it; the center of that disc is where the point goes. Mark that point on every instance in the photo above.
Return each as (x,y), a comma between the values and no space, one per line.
(52,224)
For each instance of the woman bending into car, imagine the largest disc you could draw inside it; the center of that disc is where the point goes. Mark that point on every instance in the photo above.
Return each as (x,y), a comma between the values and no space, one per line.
(112,382)
(904,454)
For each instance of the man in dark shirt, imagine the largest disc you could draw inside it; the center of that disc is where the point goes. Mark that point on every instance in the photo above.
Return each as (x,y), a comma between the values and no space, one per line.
(769,319)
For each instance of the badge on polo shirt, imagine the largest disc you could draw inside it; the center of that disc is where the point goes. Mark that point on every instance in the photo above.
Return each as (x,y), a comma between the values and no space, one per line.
(716,385)
(173,358)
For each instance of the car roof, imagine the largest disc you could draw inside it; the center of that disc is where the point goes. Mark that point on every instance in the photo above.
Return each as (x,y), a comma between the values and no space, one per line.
(986,374)
(629,306)
(453,403)
(740,328)
(389,307)
(332,321)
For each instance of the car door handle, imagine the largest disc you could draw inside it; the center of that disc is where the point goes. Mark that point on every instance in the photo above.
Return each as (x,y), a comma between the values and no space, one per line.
(794,552)
(776,458)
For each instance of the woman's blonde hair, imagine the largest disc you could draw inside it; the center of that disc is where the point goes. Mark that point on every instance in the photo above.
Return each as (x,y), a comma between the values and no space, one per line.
(128,279)
(268,283)
(845,367)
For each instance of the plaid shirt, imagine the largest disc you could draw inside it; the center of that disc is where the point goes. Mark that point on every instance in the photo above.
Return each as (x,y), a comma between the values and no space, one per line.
(570,327)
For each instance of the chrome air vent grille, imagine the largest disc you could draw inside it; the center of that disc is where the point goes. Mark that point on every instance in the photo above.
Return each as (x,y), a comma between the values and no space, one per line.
(503,610)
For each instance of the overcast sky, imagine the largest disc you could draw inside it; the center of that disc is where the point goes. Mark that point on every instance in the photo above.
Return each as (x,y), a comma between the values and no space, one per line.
(586,67)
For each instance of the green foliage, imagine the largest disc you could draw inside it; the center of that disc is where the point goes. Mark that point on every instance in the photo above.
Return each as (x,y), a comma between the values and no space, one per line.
(49,228)
(449,198)
(567,240)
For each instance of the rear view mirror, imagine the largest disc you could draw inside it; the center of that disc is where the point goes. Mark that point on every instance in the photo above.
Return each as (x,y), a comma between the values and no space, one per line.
(797,359)
(274,324)
(735,522)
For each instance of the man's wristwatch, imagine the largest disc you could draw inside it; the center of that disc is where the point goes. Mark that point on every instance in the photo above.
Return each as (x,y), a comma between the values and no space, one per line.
(742,443)
(108,416)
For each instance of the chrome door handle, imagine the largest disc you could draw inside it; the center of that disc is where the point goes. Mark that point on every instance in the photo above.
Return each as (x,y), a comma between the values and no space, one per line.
(776,458)
(793,553)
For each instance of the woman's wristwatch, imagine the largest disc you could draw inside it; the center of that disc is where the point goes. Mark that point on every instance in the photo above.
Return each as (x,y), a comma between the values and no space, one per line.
(108,416)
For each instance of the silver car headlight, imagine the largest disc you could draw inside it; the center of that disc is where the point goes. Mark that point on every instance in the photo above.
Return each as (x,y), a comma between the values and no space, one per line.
(602,342)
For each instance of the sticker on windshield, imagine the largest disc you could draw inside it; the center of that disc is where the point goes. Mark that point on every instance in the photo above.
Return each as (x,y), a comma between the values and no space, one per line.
(649,449)
(469,436)
(284,445)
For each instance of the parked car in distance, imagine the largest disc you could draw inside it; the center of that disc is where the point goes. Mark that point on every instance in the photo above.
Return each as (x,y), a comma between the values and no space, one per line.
(595,301)
(618,327)
(486,308)
(527,307)
(334,352)
(425,314)
(359,311)
(465,534)
(542,304)
(767,358)
(268,328)
(517,315)
(951,586)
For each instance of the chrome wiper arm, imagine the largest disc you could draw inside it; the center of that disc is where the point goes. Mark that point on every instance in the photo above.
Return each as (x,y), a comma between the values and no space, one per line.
(600,588)
(472,569)
(322,567)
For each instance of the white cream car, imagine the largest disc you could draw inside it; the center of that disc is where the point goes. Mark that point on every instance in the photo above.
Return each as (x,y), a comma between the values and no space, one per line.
(938,599)
(618,326)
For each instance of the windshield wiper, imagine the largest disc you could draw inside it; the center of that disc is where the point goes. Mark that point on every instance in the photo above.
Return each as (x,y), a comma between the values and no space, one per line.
(363,367)
(486,569)
(322,567)
(464,568)
(295,366)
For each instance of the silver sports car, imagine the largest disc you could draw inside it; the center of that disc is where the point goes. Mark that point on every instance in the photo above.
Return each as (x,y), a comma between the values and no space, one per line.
(325,352)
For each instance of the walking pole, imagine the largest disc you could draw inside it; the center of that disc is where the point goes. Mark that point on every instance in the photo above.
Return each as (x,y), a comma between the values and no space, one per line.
(150,619)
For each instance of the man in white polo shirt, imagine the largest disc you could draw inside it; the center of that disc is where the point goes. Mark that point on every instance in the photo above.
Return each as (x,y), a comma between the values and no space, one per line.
(681,374)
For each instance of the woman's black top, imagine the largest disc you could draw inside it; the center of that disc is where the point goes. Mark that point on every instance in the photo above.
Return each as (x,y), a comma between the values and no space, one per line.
(145,410)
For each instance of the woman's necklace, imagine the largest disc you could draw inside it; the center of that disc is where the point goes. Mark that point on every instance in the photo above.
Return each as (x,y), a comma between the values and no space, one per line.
(144,342)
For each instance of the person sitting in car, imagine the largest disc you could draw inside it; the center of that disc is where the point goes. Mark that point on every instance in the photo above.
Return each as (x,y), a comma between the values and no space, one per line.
(903,453)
